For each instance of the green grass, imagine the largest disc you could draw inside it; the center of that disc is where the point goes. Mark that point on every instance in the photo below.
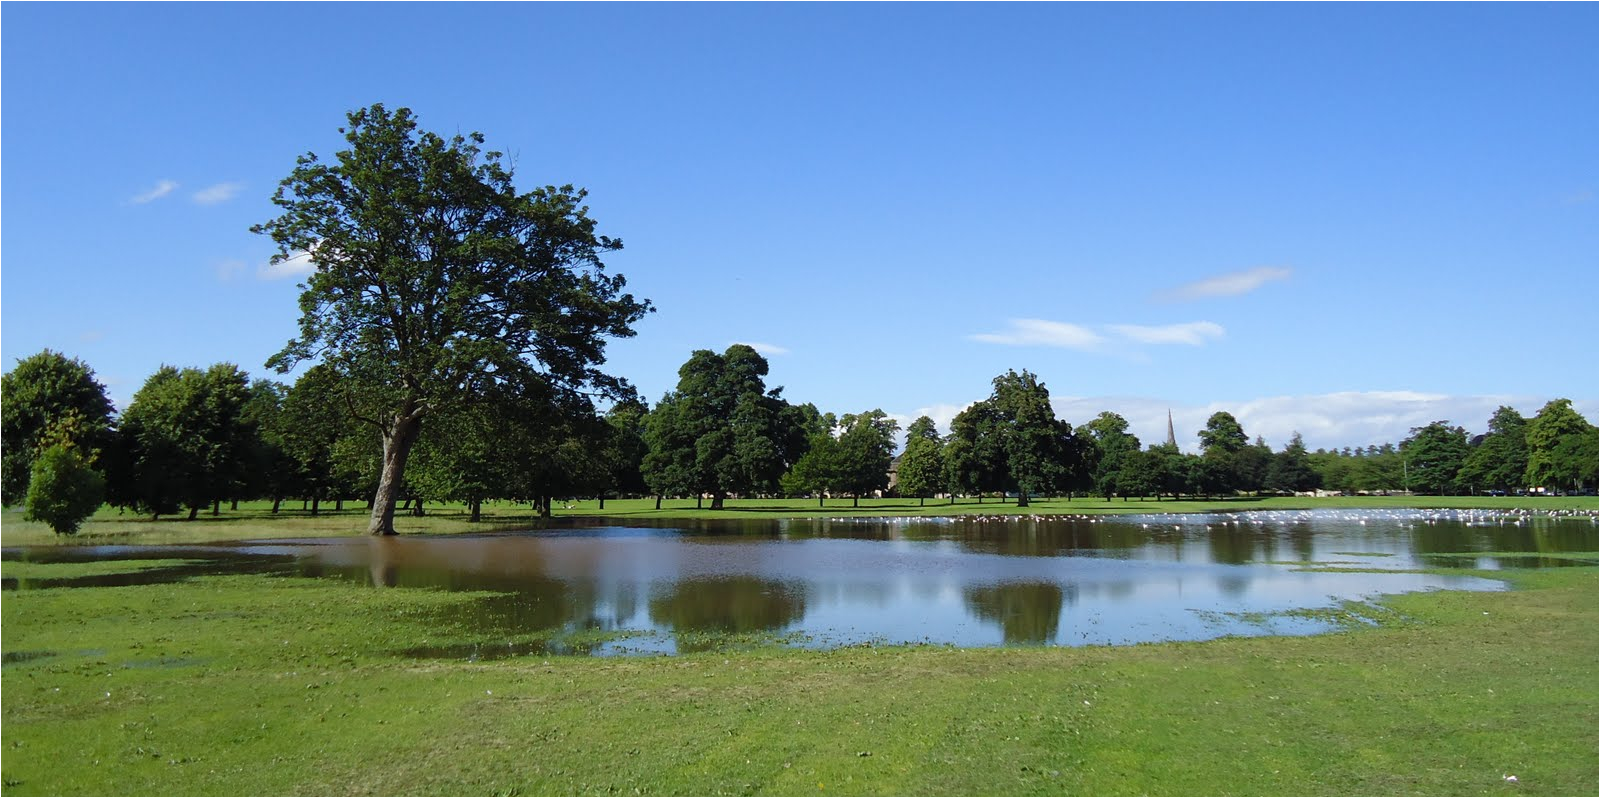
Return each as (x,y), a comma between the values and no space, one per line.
(258,685)
(254,520)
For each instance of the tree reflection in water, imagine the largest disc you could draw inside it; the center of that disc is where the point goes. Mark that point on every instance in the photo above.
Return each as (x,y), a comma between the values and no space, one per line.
(1027,612)
(728,605)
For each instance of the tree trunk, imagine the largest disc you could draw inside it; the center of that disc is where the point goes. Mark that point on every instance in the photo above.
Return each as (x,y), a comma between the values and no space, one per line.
(316,506)
(1022,498)
(416,509)
(193,511)
(477,510)
(819,499)
(980,497)
(855,500)
(544,506)
(216,507)
(922,501)
(275,503)
(716,500)
(602,501)
(698,498)
(338,505)
(397,441)
(658,501)
(235,505)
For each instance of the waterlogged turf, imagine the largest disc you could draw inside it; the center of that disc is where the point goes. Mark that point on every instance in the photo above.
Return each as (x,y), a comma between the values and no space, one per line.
(267,685)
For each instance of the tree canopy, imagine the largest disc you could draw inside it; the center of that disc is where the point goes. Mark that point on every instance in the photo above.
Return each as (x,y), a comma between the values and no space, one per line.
(436,278)
(40,391)
(721,431)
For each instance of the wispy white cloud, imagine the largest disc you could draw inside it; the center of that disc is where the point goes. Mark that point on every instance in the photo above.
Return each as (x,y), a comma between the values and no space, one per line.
(765,349)
(229,270)
(1063,335)
(1230,284)
(296,265)
(1194,333)
(1039,332)
(219,193)
(162,189)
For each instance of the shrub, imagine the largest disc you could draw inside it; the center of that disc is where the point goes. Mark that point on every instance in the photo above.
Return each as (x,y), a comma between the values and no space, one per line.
(63,490)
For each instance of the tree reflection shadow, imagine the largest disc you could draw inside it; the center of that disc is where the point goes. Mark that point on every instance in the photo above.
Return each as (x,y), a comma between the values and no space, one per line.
(1027,612)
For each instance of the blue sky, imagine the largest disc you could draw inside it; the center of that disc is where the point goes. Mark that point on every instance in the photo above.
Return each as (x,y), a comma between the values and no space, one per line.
(1345,220)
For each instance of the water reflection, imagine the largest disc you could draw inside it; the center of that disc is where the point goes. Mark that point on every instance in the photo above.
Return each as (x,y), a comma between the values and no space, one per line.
(731,605)
(1028,612)
(592,588)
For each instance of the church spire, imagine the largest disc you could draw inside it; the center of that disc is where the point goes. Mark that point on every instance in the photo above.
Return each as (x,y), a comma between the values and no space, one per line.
(1172,437)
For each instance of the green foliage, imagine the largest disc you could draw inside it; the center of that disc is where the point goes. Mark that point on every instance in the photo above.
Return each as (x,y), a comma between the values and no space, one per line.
(1559,441)
(437,280)
(1115,447)
(188,440)
(921,472)
(721,431)
(63,489)
(1434,455)
(1222,435)
(866,448)
(625,448)
(974,459)
(1291,469)
(817,471)
(1250,466)
(1030,435)
(38,392)
(321,436)
(1500,460)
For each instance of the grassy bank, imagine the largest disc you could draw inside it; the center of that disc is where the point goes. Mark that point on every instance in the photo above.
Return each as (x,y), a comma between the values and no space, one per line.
(257,685)
(255,520)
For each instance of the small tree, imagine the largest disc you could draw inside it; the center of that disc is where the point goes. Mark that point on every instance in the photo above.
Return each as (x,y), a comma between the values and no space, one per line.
(63,489)
(37,393)
(921,472)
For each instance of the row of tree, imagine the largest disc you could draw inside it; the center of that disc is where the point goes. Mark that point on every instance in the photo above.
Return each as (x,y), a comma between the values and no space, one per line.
(192,439)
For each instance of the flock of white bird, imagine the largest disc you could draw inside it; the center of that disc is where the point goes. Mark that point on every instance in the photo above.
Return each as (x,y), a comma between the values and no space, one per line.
(1255,518)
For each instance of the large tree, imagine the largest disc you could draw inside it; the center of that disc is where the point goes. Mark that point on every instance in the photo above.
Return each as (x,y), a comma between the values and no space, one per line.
(721,431)
(1559,441)
(436,279)
(40,391)
(974,459)
(1291,469)
(188,439)
(866,448)
(1433,456)
(1500,460)
(1116,448)
(1221,443)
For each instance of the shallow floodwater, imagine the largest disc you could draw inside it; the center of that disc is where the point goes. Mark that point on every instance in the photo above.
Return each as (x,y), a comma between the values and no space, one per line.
(967,582)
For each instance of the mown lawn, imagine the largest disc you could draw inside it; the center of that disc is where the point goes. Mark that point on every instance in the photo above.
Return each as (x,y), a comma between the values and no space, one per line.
(263,685)
(255,520)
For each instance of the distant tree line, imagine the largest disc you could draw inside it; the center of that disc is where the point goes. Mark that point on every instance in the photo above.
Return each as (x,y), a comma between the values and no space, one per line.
(192,439)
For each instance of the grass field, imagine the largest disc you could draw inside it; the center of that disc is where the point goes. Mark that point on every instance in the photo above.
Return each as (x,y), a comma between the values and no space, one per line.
(254,519)
(260,685)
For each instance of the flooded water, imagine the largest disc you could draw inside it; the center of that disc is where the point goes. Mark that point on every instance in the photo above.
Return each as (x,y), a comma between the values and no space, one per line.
(969,582)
